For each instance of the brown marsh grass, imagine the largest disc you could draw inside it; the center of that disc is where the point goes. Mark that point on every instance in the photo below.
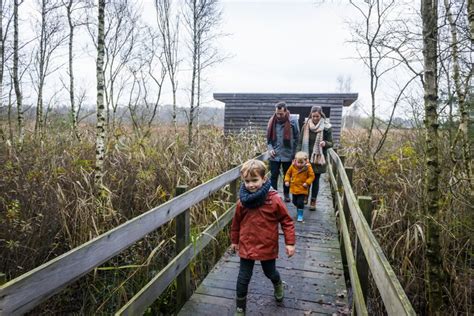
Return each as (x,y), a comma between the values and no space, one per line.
(47,207)
(395,182)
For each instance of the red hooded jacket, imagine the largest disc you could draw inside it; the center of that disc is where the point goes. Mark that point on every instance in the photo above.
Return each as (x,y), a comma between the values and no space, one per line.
(255,230)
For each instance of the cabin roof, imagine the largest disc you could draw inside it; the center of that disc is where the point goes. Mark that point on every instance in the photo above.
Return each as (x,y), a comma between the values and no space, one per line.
(347,98)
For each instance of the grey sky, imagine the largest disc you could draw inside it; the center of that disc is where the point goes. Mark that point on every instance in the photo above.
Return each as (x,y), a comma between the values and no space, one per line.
(286,46)
(276,46)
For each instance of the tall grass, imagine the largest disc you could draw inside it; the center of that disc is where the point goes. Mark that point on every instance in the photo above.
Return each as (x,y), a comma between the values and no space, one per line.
(394,180)
(47,207)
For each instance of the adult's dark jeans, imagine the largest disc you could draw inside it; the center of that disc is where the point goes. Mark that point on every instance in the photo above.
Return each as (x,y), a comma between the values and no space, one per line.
(298,201)
(275,172)
(246,270)
(315,186)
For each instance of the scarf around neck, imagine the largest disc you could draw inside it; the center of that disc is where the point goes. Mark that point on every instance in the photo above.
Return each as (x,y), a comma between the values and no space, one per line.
(254,199)
(317,156)
(271,128)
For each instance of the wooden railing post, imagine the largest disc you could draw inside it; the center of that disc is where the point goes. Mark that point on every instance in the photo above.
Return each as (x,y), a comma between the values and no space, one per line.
(347,212)
(347,215)
(3,278)
(183,238)
(365,204)
(234,187)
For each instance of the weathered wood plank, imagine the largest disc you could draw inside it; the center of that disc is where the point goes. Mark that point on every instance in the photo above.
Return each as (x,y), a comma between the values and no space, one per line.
(359,301)
(148,294)
(314,277)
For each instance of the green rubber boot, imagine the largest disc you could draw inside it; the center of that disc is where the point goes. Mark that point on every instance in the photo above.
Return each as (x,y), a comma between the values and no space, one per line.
(241,303)
(279,291)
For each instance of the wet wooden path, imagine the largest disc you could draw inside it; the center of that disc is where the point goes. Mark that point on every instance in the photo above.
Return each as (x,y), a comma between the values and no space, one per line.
(314,278)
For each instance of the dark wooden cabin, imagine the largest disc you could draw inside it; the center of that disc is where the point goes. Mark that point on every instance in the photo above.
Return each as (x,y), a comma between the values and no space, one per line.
(245,111)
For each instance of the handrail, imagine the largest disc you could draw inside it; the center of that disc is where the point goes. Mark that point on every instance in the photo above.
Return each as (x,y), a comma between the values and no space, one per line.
(28,290)
(394,297)
(360,304)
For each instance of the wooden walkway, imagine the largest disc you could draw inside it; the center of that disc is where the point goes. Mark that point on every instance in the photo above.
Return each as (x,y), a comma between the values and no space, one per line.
(314,278)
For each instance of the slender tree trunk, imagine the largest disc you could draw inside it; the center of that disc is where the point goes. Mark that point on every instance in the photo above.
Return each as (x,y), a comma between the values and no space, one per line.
(470,16)
(462,134)
(193,74)
(100,130)
(434,274)
(71,70)
(2,57)
(198,92)
(10,121)
(16,79)
(41,61)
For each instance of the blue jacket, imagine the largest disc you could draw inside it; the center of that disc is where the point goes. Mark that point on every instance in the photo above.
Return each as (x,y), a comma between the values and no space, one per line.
(283,153)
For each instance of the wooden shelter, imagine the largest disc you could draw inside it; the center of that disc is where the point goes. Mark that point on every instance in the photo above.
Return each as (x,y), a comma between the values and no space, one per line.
(245,111)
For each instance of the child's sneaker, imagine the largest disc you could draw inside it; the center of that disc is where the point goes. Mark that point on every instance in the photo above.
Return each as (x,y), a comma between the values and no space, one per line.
(279,291)
(299,217)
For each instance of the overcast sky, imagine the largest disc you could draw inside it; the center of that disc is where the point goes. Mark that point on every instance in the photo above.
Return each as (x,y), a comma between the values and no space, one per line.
(284,46)
(287,46)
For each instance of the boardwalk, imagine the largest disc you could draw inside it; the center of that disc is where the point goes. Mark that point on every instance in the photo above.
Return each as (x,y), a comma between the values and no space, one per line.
(314,277)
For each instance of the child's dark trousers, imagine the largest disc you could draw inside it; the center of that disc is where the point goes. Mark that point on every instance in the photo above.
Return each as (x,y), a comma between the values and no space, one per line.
(298,201)
(246,270)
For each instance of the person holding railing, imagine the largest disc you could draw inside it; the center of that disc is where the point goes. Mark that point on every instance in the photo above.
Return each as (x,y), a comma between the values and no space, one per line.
(254,231)
(316,139)
(282,138)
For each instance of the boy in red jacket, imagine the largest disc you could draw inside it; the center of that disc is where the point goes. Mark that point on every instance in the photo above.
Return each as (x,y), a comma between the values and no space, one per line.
(254,232)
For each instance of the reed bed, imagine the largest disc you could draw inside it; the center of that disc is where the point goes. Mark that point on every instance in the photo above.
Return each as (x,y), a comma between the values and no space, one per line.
(395,182)
(48,206)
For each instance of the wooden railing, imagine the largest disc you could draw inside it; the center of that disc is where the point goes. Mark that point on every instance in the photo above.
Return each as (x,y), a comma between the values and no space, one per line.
(30,289)
(369,255)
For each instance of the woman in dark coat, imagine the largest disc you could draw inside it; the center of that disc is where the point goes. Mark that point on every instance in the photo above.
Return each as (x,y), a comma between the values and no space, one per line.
(315,139)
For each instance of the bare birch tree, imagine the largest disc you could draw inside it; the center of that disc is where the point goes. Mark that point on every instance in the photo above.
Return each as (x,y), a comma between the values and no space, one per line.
(51,37)
(461,88)
(100,129)
(434,274)
(16,79)
(149,73)
(3,59)
(382,43)
(368,37)
(72,7)
(168,25)
(201,19)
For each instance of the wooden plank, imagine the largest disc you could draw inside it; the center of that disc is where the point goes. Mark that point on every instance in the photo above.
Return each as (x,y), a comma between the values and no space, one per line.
(294,277)
(183,238)
(266,299)
(210,305)
(26,291)
(395,300)
(309,289)
(148,294)
(359,301)
(365,203)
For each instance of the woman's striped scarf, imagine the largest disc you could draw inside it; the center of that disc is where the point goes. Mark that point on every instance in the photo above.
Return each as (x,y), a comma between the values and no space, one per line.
(317,156)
